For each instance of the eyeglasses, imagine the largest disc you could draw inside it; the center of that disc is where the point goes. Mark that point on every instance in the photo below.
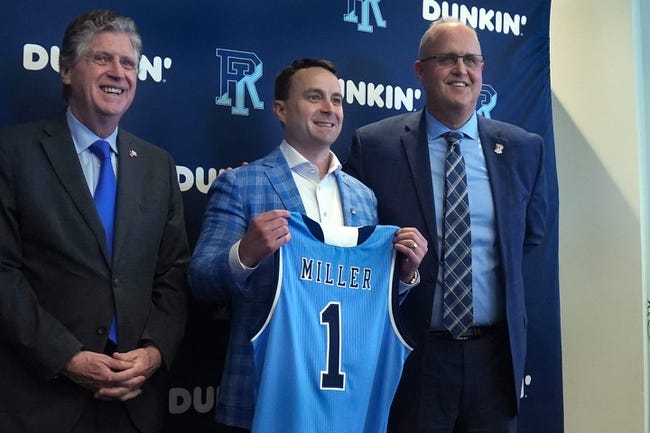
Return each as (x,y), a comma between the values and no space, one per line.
(103,59)
(447,60)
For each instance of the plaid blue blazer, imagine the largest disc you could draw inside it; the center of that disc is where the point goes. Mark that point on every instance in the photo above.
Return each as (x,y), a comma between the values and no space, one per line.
(235,198)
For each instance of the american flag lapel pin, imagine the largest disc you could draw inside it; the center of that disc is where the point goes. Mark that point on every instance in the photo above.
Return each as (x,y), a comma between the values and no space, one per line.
(133,153)
(498,148)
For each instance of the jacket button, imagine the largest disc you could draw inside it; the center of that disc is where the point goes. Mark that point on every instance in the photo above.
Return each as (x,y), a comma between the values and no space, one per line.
(101,330)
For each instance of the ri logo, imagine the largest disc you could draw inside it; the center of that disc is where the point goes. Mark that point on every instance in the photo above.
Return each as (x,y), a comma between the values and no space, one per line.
(364,9)
(239,72)
(487,100)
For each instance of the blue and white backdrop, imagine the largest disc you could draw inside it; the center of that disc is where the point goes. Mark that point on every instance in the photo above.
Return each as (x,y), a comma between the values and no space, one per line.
(206,95)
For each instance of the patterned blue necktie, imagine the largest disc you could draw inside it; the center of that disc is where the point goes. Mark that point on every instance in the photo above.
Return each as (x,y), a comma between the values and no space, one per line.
(458,313)
(105,194)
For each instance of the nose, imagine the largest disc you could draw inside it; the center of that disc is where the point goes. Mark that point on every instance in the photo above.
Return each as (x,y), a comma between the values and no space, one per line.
(460,65)
(115,68)
(326,105)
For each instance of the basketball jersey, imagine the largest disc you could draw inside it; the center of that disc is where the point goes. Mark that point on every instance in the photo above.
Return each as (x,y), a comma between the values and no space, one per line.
(329,356)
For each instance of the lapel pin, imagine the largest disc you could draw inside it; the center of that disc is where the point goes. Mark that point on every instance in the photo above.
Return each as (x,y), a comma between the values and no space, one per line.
(498,148)
(133,153)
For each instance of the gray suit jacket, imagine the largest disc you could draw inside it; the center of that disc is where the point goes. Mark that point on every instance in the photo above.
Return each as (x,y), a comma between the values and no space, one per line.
(59,288)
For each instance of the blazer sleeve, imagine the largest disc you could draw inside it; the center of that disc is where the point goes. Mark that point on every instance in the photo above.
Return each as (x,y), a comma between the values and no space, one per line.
(41,339)
(537,211)
(224,223)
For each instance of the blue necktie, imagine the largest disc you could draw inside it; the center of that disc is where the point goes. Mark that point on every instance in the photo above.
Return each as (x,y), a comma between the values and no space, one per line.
(458,312)
(105,193)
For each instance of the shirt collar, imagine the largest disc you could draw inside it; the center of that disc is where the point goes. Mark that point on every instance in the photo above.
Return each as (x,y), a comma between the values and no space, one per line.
(83,137)
(296,160)
(435,128)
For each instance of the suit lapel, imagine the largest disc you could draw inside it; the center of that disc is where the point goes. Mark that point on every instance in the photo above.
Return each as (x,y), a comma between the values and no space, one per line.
(416,147)
(497,158)
(279,176)
(345,192)
(352,202)
(59,148)
(130,187)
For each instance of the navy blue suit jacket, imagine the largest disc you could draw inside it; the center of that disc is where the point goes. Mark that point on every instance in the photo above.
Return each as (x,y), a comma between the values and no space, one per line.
(392,157)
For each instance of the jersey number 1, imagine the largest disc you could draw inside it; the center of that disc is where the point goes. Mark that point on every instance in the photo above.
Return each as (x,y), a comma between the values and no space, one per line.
(332,378)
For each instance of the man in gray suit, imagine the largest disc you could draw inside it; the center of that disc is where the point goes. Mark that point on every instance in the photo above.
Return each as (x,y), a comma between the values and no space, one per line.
(246,220)
(91,313)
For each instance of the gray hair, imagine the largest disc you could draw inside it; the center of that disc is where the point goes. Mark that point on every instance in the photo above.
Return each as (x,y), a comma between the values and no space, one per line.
(82,29)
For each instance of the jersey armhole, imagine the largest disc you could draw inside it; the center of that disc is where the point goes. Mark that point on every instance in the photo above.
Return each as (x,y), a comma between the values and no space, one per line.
(261,324)
(396,314)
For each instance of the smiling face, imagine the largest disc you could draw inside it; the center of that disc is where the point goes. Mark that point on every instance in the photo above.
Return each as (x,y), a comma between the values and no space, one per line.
(312,114)
(102,83)
(451,91)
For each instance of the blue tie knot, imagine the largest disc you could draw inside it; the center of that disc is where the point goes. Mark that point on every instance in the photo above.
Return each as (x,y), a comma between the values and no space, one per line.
(101,149)
(454,137)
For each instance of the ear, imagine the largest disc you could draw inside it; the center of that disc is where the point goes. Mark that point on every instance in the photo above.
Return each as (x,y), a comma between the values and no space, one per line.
(417,68)
(279,108)
(64,73)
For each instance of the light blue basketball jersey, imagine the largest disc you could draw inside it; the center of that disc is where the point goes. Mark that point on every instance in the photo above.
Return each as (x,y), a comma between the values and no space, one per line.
(329,356)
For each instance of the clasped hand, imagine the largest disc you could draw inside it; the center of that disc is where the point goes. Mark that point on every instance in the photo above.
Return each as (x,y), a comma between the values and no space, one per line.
(117,377)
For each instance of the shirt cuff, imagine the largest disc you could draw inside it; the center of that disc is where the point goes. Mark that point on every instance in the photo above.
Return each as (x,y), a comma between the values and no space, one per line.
(239,270)
(404,288)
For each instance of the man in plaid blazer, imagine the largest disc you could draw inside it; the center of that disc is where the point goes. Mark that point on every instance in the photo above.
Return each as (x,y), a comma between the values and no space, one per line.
(246,220)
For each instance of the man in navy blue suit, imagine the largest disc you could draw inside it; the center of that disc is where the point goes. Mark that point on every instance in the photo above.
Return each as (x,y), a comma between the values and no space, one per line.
(468,382)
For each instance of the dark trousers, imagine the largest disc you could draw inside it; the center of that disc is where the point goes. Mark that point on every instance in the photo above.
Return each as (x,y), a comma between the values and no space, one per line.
(104,417)
(222,428)
(464,386)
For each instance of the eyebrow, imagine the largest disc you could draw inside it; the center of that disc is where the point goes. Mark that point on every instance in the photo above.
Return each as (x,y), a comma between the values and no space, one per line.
(110,54)
(321,92)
